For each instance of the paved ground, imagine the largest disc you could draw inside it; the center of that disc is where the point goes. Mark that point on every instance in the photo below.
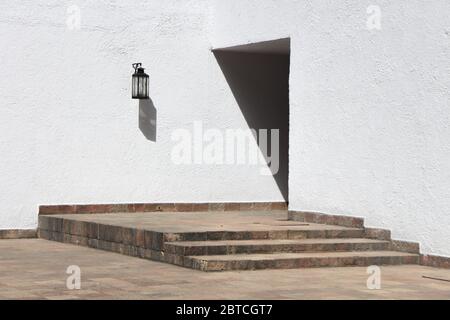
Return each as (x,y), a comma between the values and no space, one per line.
(36,269)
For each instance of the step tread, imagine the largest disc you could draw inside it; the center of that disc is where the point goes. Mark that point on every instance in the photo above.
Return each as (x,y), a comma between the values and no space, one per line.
(303,255)
(274,242)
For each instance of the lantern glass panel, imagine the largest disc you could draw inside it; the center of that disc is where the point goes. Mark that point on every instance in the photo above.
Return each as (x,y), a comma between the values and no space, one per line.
(134,89)
(141,87)
(146,87)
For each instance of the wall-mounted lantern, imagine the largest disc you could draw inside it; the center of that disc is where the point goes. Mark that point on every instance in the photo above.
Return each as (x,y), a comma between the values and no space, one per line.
(139,86)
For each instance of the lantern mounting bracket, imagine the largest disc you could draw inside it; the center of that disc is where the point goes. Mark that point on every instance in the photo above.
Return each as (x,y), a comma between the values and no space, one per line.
(136,66)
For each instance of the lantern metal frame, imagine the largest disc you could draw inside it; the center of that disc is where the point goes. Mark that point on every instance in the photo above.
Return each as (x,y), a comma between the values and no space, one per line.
(139,82)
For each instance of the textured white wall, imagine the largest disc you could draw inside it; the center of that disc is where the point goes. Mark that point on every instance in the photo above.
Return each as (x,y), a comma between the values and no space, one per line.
(369,110)
(69,128)
(372,111)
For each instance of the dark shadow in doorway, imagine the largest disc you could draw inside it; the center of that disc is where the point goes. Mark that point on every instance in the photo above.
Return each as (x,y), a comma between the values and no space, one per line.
(258,76)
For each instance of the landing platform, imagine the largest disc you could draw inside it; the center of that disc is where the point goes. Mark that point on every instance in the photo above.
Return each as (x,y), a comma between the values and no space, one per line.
(181,222)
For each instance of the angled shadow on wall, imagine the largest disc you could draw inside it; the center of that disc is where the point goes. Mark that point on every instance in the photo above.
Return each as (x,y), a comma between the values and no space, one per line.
(147,119)
(258,76)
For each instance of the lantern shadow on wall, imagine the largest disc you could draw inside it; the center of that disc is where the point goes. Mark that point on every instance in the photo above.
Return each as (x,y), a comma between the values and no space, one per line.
(147,110)
(147,119)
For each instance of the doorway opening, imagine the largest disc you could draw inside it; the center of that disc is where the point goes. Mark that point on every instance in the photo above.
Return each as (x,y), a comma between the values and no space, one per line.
(258,76)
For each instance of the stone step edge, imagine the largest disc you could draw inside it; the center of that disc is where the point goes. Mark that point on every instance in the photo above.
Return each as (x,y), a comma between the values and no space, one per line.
(18,234)
(236,247)
(279,241)
(322,218)
(161,207)
(241,263)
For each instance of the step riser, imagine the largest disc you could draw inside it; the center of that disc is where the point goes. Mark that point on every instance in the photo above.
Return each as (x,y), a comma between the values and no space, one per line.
(125,249)
(327,234)
(249,249)
(266,235)
(296,263)
(123,234)
(155,240)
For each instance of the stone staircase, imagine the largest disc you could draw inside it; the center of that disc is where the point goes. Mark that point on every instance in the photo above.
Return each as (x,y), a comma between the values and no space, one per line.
(227,241)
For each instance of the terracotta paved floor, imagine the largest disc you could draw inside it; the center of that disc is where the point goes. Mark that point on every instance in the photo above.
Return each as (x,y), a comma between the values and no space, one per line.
(35,269)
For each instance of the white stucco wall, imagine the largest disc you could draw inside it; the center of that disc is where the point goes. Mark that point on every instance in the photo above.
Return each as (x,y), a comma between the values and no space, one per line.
(369,116)
(69,128)
(369,109)
(372,111)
